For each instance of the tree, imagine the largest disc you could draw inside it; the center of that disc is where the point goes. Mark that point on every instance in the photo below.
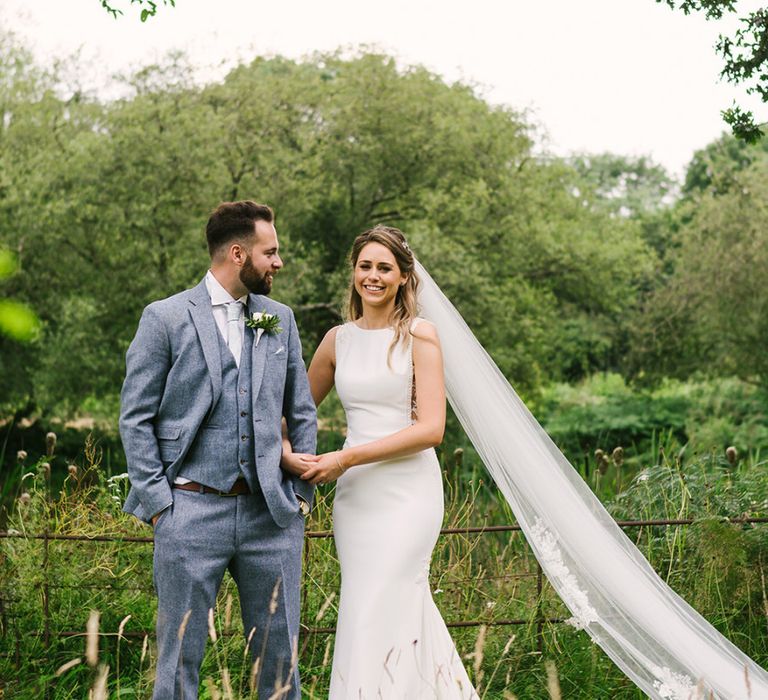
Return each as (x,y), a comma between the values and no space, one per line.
(745,57)
(107,203)
(710,315)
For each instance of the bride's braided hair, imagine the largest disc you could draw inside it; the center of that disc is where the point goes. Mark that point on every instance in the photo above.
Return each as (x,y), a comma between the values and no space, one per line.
(405,302)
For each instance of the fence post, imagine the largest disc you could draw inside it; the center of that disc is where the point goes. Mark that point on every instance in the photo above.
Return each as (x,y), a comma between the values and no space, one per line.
(46,592)
(539,616)
(304,594)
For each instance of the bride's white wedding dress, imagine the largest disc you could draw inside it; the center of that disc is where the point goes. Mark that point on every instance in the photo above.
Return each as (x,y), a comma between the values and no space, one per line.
(391,641)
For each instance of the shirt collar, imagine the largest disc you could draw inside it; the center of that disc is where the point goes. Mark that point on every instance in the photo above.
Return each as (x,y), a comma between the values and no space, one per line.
(218,294)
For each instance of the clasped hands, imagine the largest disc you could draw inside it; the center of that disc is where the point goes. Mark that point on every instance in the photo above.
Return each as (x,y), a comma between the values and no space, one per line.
(316,469)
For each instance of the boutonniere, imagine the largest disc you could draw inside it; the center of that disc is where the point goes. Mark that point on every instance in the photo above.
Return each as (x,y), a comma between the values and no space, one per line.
(262,322)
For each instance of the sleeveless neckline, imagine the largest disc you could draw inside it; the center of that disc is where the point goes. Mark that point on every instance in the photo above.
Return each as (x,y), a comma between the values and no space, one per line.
(369,330)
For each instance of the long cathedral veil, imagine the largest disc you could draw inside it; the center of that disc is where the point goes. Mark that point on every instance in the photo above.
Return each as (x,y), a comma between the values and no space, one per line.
(658,640)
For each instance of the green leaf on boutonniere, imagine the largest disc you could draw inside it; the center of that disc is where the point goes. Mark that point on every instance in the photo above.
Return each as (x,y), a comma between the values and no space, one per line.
(269,323)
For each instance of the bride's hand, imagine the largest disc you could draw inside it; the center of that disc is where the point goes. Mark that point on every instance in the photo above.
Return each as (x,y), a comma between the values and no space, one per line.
(327,468)
(297,463)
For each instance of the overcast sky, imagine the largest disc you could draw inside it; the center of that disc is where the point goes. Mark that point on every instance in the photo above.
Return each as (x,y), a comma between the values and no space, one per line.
(627,76)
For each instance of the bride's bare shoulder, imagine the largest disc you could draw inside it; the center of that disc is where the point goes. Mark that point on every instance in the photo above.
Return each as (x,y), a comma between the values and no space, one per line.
(424,330)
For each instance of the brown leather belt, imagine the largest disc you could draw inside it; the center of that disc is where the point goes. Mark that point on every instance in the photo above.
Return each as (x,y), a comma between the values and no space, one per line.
(240,488)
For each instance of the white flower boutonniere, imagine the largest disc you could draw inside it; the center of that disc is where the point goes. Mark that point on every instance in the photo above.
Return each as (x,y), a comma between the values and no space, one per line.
(262,322)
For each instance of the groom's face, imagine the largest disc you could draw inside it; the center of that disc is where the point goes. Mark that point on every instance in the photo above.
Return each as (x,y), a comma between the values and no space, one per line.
(263,260)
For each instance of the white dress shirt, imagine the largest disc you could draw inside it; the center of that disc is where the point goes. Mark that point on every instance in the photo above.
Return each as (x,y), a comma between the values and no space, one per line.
(220,297)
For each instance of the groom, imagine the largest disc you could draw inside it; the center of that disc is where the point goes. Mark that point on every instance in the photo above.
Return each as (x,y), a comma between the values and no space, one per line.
(201,410)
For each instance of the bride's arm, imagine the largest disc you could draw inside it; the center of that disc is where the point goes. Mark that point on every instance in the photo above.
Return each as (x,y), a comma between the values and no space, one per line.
(321,372)
(426,431)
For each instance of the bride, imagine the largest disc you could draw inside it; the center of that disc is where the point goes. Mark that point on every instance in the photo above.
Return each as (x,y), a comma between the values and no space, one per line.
(386,364)
(391,641)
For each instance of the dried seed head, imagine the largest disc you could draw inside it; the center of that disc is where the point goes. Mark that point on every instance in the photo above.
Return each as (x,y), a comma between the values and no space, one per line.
(46,469)
(99,690)
(598,454)
(479,649)
(72,469)
(25,499)
(603,462)
(553,683)
(211,626)
(50,443)
(65,667)
(92,639)
(273,600)
(183,625)
(618,456)
(732,454)
(21,455)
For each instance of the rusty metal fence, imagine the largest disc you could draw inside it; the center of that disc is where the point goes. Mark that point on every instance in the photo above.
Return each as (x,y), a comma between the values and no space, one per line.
(540,620)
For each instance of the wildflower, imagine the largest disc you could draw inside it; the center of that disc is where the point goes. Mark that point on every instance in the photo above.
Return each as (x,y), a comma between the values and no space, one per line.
(46,469)
(72,469)
(602,461)
(21,455)
(618,456)
(731,454)
(50,443)
(25,498)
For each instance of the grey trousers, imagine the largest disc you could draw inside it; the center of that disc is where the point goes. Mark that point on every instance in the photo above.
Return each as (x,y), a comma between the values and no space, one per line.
(196,540)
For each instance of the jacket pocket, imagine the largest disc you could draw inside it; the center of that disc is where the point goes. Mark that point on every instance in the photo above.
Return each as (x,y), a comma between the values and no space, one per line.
(167,432)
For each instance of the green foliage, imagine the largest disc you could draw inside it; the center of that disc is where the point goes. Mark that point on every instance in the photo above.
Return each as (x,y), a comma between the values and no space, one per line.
(709,314)
(715,565)
(148,8)
(106,204)
(745,58)
(603,412)
(17,321)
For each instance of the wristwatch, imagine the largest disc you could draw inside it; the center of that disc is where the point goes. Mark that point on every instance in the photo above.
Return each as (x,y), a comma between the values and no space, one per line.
(303,506)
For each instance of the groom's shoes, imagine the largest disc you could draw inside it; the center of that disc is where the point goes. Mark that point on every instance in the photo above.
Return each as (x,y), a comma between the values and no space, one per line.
(240,488)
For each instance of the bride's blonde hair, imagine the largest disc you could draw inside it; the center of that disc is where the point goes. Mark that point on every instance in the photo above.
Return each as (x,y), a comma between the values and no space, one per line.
(405,302)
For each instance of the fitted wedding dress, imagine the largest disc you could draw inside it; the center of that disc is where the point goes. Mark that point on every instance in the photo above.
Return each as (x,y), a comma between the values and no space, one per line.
(391,641)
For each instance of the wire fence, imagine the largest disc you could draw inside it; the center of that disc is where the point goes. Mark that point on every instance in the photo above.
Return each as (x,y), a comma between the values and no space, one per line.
(46,585)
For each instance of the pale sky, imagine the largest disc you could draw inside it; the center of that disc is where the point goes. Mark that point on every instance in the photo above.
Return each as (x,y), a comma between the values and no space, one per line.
(627,76)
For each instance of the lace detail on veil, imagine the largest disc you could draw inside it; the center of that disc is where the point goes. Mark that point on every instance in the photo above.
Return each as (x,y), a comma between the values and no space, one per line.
(574,597)
(674,686)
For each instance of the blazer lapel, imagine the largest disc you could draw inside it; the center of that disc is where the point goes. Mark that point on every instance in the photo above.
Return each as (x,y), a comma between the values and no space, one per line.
(258,352)
(202,317)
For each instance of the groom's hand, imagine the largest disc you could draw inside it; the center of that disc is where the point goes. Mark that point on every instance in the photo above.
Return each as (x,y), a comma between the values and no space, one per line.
(297,463)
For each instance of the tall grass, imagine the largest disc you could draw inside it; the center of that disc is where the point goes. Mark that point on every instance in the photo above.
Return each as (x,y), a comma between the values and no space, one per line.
(718,566)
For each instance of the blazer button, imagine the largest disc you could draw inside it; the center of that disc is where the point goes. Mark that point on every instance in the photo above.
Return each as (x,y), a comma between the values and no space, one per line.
(243,437)
(243,414)
(243,461)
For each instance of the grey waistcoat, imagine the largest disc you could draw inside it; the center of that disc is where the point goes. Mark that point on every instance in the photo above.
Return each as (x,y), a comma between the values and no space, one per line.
(223,449)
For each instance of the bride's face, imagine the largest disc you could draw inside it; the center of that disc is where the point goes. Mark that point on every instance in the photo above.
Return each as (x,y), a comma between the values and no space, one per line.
(377,276)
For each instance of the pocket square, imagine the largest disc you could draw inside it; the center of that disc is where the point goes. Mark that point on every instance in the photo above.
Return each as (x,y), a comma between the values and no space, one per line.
(279,350)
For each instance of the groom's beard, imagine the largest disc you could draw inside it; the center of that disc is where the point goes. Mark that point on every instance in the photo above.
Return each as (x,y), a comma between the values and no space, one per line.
(253,281)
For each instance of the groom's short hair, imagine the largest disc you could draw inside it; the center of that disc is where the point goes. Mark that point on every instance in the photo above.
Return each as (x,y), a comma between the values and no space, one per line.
(232,221)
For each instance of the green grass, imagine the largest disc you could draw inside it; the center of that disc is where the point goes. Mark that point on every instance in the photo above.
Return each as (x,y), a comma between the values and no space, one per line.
(717,566)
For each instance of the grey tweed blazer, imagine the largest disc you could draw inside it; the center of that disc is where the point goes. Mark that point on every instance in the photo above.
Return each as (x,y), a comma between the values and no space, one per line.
(173,380)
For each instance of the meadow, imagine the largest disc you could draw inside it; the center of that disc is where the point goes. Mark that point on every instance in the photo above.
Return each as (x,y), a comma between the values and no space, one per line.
(481,581)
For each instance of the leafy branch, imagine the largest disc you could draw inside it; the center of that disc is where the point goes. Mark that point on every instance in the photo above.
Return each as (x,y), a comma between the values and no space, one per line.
(148,8)
(745,56)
